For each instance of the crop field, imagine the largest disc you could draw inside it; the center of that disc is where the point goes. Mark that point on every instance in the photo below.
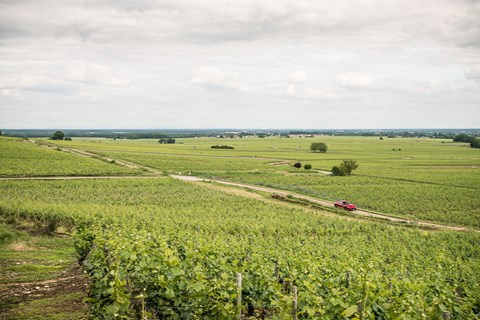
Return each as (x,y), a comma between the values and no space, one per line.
(26,159)
(175,248)
(426,179)
(160,248)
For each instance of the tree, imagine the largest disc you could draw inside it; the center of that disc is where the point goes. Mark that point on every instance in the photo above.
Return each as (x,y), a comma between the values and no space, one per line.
(57,135)
(297,165)
(318,146)
(463,137)
(475,143)
(345,168)
(1,133)
(307,166)
(166,140)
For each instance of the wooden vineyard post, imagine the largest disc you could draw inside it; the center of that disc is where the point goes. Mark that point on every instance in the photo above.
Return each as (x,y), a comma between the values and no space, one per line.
(294,303)
(360,309)
(239,295)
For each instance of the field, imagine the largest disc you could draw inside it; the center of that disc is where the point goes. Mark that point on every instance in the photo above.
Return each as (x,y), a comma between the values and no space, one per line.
(428,179)
(27,159)
(160,248)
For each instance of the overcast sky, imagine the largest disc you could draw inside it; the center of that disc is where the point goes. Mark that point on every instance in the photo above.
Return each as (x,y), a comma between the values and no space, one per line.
(239,64)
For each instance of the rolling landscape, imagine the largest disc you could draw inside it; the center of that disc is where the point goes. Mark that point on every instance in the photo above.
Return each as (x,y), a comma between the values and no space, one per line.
(161,231)
(239,160)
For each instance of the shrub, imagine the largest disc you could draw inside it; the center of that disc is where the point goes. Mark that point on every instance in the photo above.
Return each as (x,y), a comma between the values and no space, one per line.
(336,171)
(222,147)
(318,146)
(345,168)
(297,165)
(307,166)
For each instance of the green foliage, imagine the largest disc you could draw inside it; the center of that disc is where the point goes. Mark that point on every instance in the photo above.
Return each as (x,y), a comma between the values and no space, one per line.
(475,143)
(319,146)
(166,140)
(23,158)
(222,147)
(9,234)
(427,180)
(336,171)
(345,168)
(463,137)
(178,256)
(307,166)
(57,135)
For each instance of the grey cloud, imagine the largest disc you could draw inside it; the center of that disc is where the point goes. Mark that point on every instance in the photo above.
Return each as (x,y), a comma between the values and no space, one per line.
(238,57)
(378,21)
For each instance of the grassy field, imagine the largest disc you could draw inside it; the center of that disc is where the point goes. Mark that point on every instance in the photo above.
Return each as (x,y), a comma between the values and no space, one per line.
(22,158)
(427,179)
(163,248)
(39,277)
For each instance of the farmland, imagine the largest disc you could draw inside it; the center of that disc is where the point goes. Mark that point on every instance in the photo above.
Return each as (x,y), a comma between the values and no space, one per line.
(426,179)
(27,159)
(163,248)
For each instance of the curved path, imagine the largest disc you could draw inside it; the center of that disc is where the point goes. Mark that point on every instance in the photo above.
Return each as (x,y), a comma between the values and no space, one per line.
(326,203)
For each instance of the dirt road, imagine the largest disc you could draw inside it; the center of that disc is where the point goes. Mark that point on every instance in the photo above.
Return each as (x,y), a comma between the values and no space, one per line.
(326,203)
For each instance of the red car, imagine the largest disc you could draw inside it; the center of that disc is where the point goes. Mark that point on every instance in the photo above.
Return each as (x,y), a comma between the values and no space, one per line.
(345,205)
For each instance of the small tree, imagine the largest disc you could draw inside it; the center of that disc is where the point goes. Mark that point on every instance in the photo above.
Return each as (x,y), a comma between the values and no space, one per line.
(345,168)
(307,166)
(297,165)
(318,146)
(57,135)
(1,133)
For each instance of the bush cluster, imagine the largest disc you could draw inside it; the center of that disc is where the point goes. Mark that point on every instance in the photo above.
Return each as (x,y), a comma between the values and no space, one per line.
(345,168)
(463,137)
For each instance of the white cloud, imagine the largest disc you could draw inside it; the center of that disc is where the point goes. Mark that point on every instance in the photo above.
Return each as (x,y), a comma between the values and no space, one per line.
(210,76)
(297,77)
(96,74)
(473,72)
(244,58)
(353,80)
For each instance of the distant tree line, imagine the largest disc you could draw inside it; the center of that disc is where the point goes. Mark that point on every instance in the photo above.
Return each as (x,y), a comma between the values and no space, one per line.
(463,137)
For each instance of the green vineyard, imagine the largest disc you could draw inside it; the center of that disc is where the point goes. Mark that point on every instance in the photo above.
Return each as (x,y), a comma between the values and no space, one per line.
(160,248)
